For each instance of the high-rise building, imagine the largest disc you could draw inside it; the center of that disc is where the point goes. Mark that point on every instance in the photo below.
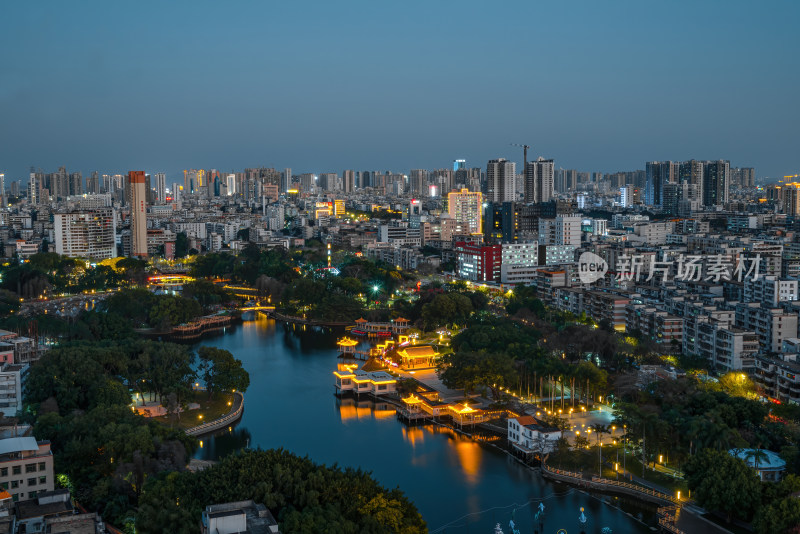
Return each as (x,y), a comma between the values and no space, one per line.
(37,191)
(716,182)
(75,184)
(93,183)
(366,179)
(658,173)
(443,179)
(86,234)
(138,203)
(500,178)
(418,179)
(459,164)
(626,196)
(15,188)
(791,199)
(539,180)
(286,180)
(3,186)
(161,187)
(563,230)
(328,181)
(466,208)
(349,181)
(743,177)
(230,185)
(308,182)
(691,172)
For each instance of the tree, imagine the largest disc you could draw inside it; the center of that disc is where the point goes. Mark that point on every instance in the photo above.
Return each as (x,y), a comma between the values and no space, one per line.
(221,371)
(181,245)
(721,482)
(305,497)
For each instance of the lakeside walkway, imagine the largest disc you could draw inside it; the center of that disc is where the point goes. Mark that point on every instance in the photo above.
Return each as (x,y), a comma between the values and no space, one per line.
(233,415)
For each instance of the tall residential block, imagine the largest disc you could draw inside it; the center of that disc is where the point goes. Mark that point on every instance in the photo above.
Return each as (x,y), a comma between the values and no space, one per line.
(539,180)
(349,181)
(86,234)
(466,207)
(716,182)
(161,187)
(138,203)
(500,179)
(658,173)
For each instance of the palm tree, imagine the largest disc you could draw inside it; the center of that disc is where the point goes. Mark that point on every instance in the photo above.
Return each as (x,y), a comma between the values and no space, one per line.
(756,455)
(599,430)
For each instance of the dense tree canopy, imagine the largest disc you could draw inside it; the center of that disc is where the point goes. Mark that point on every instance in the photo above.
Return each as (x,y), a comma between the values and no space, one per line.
(721,482)
(304,497)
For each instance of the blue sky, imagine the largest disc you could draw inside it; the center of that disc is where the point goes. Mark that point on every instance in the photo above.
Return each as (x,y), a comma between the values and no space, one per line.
(325,86)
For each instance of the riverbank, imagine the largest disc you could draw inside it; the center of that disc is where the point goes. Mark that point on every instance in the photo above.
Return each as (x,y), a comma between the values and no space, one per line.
(457,482)
(235,413)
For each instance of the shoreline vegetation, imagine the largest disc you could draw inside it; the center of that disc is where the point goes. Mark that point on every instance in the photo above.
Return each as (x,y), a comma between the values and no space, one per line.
(506,344)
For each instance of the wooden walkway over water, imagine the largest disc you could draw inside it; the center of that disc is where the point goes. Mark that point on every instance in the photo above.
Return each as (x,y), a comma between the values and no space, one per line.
(669,508)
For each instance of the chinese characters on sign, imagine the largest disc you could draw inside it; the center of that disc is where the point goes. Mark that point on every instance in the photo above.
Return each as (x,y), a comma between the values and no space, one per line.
(691,268)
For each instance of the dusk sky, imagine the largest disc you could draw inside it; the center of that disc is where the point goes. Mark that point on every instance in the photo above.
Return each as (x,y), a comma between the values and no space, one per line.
(327,86)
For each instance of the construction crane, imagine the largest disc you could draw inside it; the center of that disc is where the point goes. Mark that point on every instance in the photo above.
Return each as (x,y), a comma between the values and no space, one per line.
(525,153)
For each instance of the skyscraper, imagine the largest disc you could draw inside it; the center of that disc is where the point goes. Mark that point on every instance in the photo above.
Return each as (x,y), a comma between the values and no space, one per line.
(500,177)
(349,181)
(138,203)
(539,180)
(418,179)
(459,164)
(466,208)
(791,199)
(93,183)
(658,173)
(743,177)
(716,181)
(161,187)
(75,184)
(286,180)
(691,172)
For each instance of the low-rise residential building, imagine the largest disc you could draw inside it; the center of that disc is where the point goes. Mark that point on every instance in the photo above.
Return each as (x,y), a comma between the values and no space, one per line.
(726,348)
(12,377)
(657,324)
(770,290)
(773,325)
(529,436)
(769,466)
(26,467)
(778,376)
(242,517)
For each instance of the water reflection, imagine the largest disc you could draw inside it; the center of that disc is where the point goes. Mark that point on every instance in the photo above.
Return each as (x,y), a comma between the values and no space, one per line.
(457,485)
(351,408)
(223,443)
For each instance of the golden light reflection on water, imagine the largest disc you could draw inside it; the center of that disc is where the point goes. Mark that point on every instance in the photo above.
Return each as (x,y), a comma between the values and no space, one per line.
(468,453)
(352,409)
(413,435)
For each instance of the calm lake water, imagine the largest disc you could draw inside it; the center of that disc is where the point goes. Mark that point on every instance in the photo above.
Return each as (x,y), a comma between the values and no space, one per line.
(458,485)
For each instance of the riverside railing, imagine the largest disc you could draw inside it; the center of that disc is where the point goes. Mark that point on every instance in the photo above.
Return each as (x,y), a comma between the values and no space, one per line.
(220,422)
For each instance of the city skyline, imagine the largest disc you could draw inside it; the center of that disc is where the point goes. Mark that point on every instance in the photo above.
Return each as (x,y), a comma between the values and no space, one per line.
(396,87)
